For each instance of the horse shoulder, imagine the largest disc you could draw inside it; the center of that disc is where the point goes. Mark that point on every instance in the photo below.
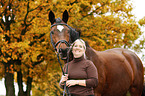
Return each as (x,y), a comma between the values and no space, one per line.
(95,58)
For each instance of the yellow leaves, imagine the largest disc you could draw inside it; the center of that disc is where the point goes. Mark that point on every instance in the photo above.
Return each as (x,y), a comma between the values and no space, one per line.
(142,21)
(31,72)
(14,57)
(25,56)
(75,9)
(11,68)
(2,69)
(15,76)
(8,58)
(54,1)
(5,60)
(109,31)
(34,56)
(48,84)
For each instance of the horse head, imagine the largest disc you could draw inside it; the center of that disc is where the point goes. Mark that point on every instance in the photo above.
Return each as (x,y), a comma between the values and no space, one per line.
(61,34)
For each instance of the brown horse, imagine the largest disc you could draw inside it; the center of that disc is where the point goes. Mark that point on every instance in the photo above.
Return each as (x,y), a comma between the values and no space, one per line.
(120,70)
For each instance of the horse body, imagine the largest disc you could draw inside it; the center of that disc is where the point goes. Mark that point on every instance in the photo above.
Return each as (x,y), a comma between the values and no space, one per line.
(119,70)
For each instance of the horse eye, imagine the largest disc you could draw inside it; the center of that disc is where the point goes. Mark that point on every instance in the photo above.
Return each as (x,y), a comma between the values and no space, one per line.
(52,32)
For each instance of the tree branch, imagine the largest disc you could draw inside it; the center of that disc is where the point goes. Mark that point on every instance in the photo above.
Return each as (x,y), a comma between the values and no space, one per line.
(94,11)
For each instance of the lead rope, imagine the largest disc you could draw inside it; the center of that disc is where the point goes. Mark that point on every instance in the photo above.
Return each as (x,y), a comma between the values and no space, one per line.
(65,87)
(66,91)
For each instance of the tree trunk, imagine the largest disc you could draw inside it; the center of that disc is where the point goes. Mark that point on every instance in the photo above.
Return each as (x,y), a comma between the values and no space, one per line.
(9,82)
(29,85)
(20,84)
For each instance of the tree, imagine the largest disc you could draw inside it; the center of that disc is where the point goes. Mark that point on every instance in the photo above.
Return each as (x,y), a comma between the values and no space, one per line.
(25,43)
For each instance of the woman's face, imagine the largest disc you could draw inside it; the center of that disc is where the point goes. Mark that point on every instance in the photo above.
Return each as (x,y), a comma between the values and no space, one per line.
(78,49)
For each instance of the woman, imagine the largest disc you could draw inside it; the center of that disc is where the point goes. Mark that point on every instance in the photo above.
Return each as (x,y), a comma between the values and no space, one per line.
(82,74)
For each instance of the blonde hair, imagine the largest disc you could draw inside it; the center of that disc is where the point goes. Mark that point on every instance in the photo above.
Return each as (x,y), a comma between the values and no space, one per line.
(82,41)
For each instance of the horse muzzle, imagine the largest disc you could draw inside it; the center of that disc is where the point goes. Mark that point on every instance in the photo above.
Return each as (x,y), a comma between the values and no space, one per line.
(63,53)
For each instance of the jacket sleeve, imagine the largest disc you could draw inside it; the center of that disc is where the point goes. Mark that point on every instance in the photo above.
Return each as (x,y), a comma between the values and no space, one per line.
(92,75)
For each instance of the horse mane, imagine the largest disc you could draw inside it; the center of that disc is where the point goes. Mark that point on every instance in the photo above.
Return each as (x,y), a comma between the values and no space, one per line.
(87,44)
(74,34)
(79,31)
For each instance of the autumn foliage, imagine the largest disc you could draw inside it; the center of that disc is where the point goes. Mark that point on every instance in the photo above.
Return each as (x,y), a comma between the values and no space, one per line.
(25,47)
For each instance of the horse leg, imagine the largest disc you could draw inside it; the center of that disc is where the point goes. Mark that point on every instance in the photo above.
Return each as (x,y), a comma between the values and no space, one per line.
(143,91)
(137,66)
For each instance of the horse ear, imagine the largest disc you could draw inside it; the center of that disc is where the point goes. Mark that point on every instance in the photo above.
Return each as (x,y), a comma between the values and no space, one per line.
(65,16)
(51,17)
(79,31)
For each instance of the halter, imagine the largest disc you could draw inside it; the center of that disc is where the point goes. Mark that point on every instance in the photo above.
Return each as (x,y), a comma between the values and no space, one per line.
(61,41)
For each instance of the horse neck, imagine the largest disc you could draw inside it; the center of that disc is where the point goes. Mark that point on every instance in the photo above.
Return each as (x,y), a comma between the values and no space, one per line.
(92,55)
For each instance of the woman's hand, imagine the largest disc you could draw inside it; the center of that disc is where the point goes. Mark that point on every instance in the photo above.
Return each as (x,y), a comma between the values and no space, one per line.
(72,82)
(75,82)
(64,78)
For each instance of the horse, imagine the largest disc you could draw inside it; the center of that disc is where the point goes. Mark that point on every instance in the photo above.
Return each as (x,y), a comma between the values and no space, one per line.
(120,71)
